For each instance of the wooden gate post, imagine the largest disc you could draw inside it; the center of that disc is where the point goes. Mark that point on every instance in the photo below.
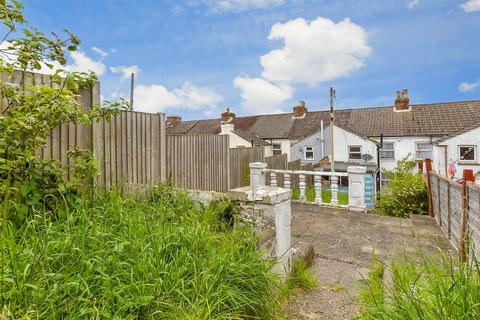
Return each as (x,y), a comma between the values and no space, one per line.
(467,177)
(428,167)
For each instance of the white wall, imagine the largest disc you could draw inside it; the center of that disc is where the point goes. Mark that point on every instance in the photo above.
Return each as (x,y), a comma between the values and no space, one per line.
(341,139)
(471,137)
(285,143)
(235,141)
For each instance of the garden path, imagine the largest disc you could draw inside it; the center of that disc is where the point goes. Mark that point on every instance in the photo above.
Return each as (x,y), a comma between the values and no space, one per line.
(345,244)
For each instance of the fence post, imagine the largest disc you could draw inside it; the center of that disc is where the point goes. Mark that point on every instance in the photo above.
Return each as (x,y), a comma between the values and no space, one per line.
(356,188)
(467,177)
(428,165)
(257,176)
(420,167)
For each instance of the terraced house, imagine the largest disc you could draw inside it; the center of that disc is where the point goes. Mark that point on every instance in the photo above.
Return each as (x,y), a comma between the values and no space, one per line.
(447,132)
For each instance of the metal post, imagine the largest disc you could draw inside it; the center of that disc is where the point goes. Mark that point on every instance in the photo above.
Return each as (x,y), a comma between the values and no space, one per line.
(332,95)
(132,85)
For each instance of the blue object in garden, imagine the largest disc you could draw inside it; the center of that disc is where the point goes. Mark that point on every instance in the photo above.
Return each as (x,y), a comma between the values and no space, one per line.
(369,192)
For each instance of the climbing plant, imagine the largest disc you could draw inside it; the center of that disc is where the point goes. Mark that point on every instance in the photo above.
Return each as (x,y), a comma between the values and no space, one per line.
(30,113)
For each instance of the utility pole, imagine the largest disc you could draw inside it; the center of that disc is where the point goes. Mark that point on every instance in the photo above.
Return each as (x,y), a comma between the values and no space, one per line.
(132,85)
(332,97)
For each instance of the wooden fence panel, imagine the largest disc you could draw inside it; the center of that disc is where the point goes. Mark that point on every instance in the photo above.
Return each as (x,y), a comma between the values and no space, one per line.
(308,178)
(294,165)
(240,158)
(474,217)
(277,162)
(199,162)
(129,149)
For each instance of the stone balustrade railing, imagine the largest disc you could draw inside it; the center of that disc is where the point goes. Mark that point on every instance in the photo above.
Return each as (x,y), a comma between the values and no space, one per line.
(355,175)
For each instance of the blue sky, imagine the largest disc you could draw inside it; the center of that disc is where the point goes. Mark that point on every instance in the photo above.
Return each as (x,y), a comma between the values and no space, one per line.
(194,57)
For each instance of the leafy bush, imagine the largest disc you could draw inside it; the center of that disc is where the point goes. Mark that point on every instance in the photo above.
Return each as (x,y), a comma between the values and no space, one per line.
(423,289)
(405,194)
(30,114)
(159,258)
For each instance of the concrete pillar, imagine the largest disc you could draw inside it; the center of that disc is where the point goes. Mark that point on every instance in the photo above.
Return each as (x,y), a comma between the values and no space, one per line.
(356,188)
(257,176)
(266,207)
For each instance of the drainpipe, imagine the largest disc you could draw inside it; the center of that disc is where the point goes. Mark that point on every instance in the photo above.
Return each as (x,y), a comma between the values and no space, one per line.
(377,178)
(322,140)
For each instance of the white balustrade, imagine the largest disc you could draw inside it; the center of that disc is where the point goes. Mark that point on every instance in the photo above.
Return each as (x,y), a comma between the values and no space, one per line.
(273,179)
(317,183)
(302,186)
(334,190)
(356,178)
(286,181)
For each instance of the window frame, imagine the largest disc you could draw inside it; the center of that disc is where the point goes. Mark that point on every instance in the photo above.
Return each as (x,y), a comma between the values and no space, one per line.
(276,150)
(305,153)
(423,150)
(387,150)
(474,153)
(350,153)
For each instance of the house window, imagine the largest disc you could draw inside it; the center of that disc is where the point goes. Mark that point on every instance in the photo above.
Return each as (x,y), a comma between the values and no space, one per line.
(467,153)
(308,153)
(387,152)
(354,152)
(423,150)
(277,149)
(384,180)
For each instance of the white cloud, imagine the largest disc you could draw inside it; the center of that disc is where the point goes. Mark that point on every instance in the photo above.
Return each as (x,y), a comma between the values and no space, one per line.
(466,86)
(125,71)
(80,62)
(261,97)
(316,51)
(83,63)
(100,52)
(412,3)
(471,6)
(241,5)
(157,98)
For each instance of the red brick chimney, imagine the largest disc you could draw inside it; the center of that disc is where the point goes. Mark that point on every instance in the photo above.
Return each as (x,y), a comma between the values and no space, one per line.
(300,110)
(227,115)
(173,120)
(402,101)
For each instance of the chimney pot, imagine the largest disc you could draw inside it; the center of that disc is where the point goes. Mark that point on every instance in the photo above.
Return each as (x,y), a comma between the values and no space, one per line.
(227,115)
(173,120)
(300,110)
(402,101)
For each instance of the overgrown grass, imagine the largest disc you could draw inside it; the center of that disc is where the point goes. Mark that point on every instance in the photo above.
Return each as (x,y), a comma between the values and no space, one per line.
(302,277)
(326,196)
(423,289)
(164,257)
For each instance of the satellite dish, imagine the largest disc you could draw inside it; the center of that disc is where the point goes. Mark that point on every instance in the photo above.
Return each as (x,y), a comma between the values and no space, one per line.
(367,157)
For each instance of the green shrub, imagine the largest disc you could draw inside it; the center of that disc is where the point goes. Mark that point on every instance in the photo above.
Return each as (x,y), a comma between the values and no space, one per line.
(302,277)
(405,194)
(423,289)
(165,257)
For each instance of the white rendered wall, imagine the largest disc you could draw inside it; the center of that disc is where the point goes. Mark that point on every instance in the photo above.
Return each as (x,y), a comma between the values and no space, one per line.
(468,138)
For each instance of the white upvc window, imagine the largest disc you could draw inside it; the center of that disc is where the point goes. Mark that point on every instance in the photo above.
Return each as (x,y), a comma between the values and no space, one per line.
(467,153)
(384,180)
(423,150)
(387,152)
(276,149)
(308,153)
(355,153)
